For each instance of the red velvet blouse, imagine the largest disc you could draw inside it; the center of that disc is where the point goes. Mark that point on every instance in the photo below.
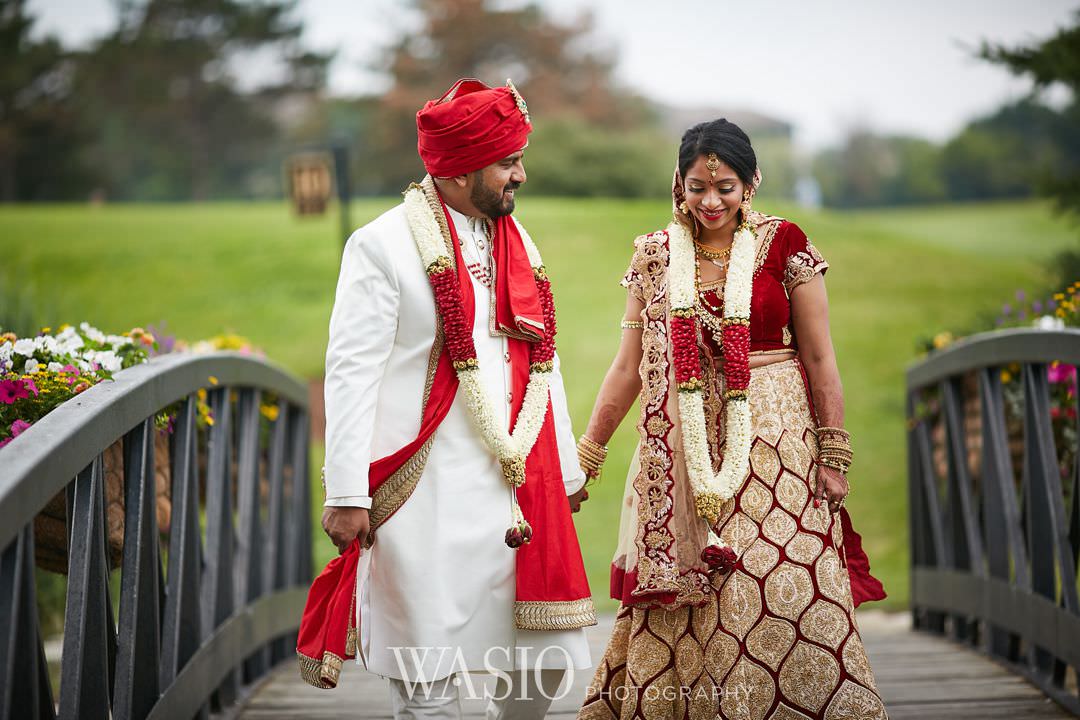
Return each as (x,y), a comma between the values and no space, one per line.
(785,260)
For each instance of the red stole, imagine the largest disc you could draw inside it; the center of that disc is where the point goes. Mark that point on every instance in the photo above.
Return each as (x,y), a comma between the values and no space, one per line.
(550,567)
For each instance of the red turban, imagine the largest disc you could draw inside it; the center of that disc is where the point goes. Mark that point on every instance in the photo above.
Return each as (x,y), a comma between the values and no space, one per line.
(471,127)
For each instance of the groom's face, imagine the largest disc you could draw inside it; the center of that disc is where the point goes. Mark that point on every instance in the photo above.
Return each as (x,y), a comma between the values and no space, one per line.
(494,187)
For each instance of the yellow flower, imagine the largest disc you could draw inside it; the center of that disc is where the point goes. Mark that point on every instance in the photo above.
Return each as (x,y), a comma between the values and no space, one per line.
(1060,312)
(213,379)
(202,394)
(1006,376)
(209,420)
(270,412)
(1059,296)
(64,327)
(942,339)
(46,330)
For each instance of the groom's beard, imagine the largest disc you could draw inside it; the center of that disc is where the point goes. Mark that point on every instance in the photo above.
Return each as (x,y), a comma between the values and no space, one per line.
(493,203)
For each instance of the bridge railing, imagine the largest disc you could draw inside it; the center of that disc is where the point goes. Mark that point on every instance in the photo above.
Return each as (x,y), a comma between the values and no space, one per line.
(205,609)
(995,502)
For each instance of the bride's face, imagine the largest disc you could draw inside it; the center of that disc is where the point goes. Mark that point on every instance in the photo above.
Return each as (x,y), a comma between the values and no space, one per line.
(714,201)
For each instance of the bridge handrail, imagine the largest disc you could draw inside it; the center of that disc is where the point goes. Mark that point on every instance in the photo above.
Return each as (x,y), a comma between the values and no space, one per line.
(243,578)
(992,567)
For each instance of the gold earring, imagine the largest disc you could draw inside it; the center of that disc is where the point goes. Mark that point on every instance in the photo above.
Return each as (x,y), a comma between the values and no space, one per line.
(684,208)
(745,206)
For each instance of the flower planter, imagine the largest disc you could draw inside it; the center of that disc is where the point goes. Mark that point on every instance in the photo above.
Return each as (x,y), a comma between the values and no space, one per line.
(50,525)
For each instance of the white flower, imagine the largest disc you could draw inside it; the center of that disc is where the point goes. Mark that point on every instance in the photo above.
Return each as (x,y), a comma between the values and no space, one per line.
(108,360)
(6,350)
(55,367)
(118,341)
(46,343)
(202,347)
(31,367)
(1049,322)
(737,293)
(92,332)
(506,446)
(6,365)
(24,347)
(425,228)
(68,341)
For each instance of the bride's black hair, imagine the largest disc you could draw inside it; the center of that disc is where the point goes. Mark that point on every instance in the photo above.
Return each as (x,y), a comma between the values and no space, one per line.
(724,138)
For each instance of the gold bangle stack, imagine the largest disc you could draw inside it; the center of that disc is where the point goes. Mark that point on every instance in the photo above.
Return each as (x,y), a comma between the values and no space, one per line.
(834,448)
(591,455)
(632,325)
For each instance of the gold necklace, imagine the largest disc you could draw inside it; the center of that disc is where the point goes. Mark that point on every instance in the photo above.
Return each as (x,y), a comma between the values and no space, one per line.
(707,252)
(719,258)
(702,308)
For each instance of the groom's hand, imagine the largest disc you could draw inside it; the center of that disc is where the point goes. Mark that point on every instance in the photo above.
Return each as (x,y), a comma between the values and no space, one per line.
(577,498)
(345,524)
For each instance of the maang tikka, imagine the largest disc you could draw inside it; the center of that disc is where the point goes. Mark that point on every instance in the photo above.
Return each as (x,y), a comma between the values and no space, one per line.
(712,163)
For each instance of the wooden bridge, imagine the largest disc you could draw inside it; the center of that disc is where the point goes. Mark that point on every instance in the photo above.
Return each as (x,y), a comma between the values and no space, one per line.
(200,620)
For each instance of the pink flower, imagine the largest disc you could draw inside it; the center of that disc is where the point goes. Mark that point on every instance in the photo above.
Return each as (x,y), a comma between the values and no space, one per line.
(1060,372)
(5,441)
(29,383)
(19,427)
(12,390)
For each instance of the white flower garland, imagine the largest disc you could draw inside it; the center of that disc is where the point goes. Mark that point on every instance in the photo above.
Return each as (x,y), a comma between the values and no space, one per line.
(737,291)
(510,448)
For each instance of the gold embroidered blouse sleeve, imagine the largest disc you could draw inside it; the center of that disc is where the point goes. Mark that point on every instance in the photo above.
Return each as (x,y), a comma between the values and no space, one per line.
(803,262)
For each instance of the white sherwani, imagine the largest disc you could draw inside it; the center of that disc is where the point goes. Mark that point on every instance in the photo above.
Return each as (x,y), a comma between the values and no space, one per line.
(439,578)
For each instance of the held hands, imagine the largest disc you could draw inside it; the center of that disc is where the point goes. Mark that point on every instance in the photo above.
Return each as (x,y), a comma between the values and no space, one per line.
(345,524)
(577,498)
(832,487)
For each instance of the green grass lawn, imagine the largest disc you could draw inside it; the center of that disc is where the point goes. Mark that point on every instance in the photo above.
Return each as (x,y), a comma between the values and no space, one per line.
(254,269)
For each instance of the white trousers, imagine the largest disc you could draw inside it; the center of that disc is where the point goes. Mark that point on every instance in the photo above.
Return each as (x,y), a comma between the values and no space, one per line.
(526,696)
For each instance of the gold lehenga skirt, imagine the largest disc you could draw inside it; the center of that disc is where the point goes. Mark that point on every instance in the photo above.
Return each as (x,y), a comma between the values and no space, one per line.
(777,640)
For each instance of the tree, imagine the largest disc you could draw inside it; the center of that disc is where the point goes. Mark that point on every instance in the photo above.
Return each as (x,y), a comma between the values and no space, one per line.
(548,61)
(1007,153)
(870,170)
(1054,60)
(40,133)
(163,88)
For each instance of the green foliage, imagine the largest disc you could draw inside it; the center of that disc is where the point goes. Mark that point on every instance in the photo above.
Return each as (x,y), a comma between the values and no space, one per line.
(1051,61)
(174,121)
(570,157)
(777,162)
(40,131)
(871,170)
(1008,153)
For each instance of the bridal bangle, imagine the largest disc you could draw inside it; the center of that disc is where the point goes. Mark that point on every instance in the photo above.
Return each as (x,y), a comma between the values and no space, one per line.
(591,455)
(834,448)
(632,325)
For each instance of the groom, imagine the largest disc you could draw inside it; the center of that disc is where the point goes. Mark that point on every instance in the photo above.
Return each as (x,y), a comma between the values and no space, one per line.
(450,584)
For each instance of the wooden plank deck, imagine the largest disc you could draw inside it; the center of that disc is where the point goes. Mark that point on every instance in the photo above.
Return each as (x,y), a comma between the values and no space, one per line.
(919,676)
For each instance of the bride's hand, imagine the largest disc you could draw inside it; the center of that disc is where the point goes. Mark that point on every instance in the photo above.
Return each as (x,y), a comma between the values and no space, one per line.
(832,487)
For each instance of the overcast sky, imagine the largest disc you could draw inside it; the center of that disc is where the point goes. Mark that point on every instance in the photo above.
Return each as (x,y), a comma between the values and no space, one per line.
(823,66)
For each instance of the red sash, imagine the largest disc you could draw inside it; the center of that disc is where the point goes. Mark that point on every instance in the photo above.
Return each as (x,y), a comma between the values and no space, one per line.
(550,567)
